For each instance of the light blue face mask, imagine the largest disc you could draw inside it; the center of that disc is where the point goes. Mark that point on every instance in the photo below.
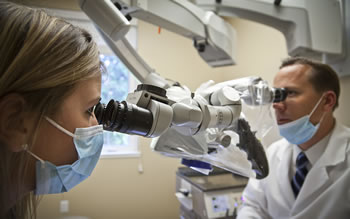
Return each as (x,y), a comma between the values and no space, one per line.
(51,179)
(301,130)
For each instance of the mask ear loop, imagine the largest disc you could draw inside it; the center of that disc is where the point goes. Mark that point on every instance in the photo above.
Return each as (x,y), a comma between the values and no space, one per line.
(61,128)
(322,118)
(25,147)
(313,110)
(318,103)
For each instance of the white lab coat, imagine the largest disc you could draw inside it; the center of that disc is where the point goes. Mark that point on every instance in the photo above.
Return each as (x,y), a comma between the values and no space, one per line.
(324,194)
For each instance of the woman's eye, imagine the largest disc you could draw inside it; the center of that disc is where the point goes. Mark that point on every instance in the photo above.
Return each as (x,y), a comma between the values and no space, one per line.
(90,111)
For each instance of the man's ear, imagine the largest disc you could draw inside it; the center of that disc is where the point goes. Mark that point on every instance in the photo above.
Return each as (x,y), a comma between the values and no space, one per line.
(331,99)
(13,125)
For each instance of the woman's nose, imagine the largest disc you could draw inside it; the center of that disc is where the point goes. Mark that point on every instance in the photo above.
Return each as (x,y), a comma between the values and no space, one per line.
(94,120)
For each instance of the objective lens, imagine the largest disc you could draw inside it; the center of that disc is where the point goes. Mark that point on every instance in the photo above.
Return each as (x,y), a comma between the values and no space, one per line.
(124,117)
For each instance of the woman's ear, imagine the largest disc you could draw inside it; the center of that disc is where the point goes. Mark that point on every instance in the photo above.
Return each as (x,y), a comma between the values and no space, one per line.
(13,122)
(331,99)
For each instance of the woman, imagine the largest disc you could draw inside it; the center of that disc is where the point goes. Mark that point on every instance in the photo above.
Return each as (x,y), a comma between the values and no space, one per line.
(50,80)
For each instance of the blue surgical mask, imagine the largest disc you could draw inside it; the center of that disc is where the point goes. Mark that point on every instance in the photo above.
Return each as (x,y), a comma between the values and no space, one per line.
(301,130)
(51,179)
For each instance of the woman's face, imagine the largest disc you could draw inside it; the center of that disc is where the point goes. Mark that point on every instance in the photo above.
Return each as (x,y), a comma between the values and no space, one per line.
(55,146)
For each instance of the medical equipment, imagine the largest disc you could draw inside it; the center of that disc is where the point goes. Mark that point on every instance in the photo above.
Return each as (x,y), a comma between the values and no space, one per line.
(212,113)
(212,36)
(217,195)
(302,22)
(149,112)
(214,39)
(318,29)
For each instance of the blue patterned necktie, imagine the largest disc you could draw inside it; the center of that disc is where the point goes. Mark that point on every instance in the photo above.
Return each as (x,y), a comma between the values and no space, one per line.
(300,174)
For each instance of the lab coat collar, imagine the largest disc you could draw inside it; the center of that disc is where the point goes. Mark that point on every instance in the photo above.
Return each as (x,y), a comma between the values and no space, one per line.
(288,146)
(318,176)
(336,150)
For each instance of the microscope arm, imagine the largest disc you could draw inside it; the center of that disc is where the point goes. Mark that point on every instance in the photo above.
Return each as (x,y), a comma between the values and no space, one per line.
(213,37)
(312,28)
(133,61)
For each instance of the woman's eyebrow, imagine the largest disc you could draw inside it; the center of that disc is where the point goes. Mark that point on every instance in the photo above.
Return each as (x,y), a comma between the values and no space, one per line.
(95,101)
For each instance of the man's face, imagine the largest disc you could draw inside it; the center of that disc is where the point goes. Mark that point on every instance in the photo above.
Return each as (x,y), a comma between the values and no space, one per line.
(301,96)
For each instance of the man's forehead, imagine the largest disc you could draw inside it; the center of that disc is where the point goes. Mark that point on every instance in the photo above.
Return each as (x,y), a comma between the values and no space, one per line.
(293,75)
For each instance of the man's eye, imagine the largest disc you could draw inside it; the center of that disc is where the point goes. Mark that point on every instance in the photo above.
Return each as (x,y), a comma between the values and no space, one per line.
(291,92)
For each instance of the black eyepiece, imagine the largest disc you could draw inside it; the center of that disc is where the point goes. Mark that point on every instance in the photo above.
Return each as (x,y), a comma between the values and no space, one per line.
(279,94)
(124,117)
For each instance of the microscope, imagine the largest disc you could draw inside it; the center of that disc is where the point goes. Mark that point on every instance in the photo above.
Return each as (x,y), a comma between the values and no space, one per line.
(149,112)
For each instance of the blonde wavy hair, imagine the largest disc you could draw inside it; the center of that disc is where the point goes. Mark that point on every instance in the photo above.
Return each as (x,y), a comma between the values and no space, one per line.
(42,59)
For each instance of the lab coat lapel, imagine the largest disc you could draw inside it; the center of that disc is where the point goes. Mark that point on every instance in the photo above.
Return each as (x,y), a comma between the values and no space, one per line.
(315,180)
(285,157)
(318,176)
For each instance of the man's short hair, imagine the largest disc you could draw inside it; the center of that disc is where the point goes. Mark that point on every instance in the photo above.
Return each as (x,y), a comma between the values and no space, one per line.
(322,76)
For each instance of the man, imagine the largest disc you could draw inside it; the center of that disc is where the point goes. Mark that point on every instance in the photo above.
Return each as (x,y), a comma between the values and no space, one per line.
(316,182)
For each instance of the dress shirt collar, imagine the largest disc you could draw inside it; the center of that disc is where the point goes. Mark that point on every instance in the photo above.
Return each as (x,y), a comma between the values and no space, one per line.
(313,153)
